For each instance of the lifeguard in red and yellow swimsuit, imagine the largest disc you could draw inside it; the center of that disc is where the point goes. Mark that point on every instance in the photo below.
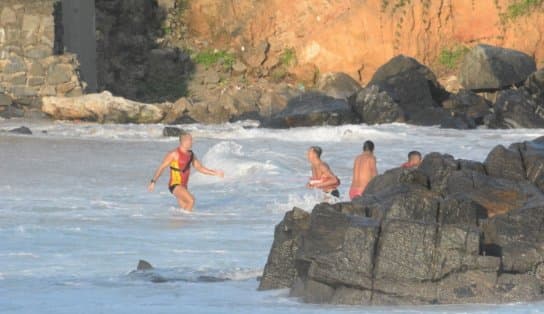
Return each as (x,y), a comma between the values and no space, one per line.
(180,161)
(180,170)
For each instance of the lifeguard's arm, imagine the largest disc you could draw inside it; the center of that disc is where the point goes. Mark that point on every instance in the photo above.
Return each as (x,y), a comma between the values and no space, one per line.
(165,162)
(200,168)
(330,177)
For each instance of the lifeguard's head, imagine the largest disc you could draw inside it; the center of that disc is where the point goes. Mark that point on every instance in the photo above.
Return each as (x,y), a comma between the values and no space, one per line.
(185,140)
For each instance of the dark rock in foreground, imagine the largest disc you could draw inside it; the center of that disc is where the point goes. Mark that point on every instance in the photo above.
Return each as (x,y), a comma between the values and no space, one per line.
(451,231)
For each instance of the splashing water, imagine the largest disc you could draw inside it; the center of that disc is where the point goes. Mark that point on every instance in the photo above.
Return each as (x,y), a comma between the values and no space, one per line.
(75,215)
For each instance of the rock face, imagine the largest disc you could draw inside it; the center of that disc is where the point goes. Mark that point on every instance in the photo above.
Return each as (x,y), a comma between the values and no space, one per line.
(312,109)
(404,90)
(338,85)
(492,68)
(357,37)
(409,83)
(522,107)
(375,106)
(451,231)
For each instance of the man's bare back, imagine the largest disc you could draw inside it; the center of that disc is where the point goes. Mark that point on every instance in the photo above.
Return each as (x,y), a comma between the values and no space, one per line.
(364,169)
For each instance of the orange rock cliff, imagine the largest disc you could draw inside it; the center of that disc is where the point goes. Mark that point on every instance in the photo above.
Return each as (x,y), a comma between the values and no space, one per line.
(357,36)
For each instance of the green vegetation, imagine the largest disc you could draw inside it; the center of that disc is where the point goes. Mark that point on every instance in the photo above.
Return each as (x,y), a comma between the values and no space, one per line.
(397,4)
(450,58)
(521,8)
(181,5)
(278,74)
(209,58)
(157,88)
(288,57)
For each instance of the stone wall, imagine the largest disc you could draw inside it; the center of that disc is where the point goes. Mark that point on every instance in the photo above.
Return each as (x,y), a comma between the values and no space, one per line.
(30,66)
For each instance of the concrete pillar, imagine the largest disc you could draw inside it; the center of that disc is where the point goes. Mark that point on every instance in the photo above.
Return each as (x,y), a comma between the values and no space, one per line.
(78,18)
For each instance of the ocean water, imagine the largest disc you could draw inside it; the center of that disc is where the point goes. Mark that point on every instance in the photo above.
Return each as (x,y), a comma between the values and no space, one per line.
(75,215)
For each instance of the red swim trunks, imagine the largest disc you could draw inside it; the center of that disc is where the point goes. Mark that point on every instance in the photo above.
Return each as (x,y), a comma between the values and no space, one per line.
(355,192)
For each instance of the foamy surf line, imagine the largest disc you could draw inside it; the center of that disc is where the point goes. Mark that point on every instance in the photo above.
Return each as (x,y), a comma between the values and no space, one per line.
(247,130)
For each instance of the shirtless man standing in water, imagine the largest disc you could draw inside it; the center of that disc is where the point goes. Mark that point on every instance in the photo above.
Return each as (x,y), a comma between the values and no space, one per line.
(364,169)
(180,160)
(322,176)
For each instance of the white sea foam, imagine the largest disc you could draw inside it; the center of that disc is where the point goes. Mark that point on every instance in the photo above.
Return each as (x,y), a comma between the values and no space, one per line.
(20,254)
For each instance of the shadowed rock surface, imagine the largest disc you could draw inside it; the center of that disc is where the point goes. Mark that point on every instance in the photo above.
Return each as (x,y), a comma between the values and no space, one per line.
(312,109)
(488,67)
(451,231)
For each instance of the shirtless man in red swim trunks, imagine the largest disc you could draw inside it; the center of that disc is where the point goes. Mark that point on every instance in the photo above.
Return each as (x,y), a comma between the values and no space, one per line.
(364,169)
(322,176)
(180,161)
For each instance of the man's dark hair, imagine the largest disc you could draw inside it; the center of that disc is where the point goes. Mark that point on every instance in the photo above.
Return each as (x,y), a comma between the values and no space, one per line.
(368,146)
(317,150)
(414,153)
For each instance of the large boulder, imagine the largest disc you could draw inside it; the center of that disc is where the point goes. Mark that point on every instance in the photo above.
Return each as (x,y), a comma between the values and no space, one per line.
(505,163)
(487,67)
(474,106)
(535,84)
(443,233)
(376,107)
(516,108)
(103,107)
(532,155)
(338,85)
(280,271)
(410,84)
(312,109)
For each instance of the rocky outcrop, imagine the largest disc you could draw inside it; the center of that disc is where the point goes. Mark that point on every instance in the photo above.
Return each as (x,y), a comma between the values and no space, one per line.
(487,67)
(451,231)
(312,109)
(521,107)
(404,90)
(375,106)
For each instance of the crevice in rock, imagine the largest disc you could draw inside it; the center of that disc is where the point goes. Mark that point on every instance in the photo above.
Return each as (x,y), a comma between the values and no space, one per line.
(460,270)
(375,259)
(523,163)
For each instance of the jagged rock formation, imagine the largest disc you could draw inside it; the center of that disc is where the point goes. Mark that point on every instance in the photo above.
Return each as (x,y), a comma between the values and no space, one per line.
(451,231)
